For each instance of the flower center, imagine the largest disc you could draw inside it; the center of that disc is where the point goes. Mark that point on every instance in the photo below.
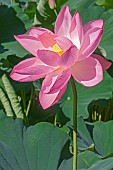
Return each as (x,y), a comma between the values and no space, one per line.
(57,49)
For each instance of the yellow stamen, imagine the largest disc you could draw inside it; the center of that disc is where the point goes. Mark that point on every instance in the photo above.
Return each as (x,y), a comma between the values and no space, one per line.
(57,49)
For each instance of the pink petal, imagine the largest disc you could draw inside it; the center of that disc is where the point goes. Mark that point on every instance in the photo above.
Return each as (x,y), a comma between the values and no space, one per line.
(104,62)
(93,24)
(64,43)
(76,30)
(30,43)
(63,22)
(53,87)
(88,72)
(90,42)
(52,4)
(48,57)
(30,70)
(69,57)
(47,39)
(56,80)
(34,32)
(48,100)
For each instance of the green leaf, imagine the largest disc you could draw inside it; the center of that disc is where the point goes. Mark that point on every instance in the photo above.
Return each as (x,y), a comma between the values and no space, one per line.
(86,159)
(6,103)
(85,96)
(106,3)
(106,164)
(84,139)
(6,2)
(12,22)
(12,97)
(36,147)
(103,137)
(66,164)
(45,17)
(13,48)
(91,161)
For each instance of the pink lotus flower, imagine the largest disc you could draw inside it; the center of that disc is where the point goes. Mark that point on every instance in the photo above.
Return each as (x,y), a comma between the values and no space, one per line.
(58,56)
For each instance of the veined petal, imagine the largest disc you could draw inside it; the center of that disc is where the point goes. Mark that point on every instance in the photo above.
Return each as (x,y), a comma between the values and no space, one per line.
(76,30)
(48,57)
(53,87)
(63,22)
(47,100)
(69,57)
(93,24)
(47,39)
(31,44)
(56,80)
(64,43)
(104,62)
(30,69)
(34,31)
(90,42)
(88,72)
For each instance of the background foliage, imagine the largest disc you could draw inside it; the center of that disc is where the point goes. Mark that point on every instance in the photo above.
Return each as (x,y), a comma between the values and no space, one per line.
(43,139)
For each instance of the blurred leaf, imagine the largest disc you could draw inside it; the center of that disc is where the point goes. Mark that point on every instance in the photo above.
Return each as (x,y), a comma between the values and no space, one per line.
(35,147)
(13,48)
(12,22)
(103,137)
(45,17)
(6,2)
(106,164)
(90,161)
(30,9)
(86,159)
(110,70)
(29,1)
(106,3)
(84,139)
(66,164)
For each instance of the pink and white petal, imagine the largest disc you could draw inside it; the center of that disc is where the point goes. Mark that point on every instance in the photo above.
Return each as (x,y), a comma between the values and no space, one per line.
(76,30)
(56,80)
(48,57)
(93,24)
(47,39)
(64,43)
(90,42)
(63,22)
(23,78)
(88,72)
(34,31)
(30,70)
(104,62)
(30,43)
(47,100)
(52,4)
(69,57)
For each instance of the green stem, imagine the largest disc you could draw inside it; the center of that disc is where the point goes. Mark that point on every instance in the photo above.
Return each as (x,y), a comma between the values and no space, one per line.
(55,11)
(74,124)
(29,103)
(23,97)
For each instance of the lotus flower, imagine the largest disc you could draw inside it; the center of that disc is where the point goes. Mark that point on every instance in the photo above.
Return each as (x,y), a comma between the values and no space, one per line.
(58,56)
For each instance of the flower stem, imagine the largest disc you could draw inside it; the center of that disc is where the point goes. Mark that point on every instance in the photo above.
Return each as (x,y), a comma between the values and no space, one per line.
(30,100)
(74,123)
